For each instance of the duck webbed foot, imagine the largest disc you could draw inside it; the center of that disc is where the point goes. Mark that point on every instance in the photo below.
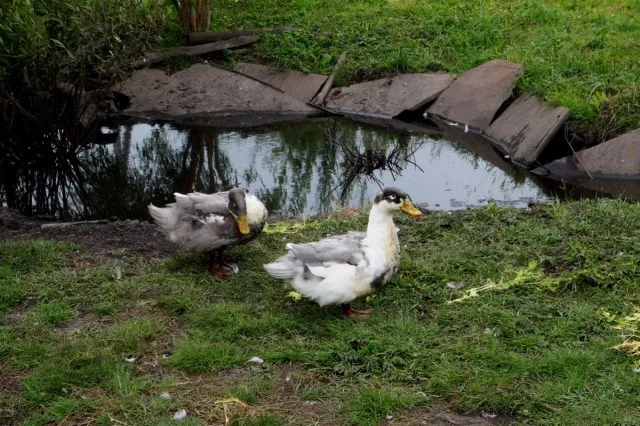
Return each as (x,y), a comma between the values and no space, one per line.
(350,311)
(219,268)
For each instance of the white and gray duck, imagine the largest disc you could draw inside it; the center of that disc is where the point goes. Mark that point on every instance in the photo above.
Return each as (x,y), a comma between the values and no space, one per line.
(211,223)
(342,268)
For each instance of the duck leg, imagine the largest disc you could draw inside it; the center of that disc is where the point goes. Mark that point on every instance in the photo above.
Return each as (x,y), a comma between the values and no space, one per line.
(218,268)
(349,311)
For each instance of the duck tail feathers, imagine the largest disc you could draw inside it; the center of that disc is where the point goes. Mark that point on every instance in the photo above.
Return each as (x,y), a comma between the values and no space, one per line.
(279,270)
(165,218)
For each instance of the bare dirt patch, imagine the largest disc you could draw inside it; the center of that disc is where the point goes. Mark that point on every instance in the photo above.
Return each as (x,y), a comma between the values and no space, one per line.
(437,415)
(97,241)
(18,313)
(209,397)
(9,388)
(78,324)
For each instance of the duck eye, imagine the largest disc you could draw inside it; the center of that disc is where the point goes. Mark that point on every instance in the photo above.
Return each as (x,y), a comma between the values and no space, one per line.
(392,197)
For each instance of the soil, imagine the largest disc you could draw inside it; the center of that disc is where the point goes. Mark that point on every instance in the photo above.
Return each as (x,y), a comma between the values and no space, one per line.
(103,242)
(436,415)
(98,242)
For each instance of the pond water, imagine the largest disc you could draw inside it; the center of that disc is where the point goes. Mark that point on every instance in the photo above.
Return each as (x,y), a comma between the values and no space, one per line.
(303,168)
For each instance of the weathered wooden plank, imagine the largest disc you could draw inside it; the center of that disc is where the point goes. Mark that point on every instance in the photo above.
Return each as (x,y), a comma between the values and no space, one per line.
(324,91)
(211,36)
(158,56)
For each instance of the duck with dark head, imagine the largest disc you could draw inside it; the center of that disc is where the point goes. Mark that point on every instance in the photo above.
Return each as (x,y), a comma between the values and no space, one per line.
(340,269)
(211,223)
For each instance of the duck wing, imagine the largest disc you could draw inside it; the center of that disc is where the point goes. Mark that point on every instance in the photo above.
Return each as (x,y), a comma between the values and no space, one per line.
(316,257)
(203,207)
(345,248)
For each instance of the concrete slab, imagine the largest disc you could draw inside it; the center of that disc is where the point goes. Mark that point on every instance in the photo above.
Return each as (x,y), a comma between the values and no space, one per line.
(476,95)
(526,128)
(203,90)
(388,97)
(617,157)
(300,85)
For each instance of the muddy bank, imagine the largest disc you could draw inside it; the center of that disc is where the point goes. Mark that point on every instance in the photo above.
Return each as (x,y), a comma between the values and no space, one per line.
(98,242)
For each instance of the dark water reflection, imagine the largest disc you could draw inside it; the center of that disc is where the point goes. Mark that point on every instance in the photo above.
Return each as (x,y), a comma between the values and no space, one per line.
(303,168)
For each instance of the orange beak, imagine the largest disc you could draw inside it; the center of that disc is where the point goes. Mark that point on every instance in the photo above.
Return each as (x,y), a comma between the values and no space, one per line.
(243,226)
(409,208)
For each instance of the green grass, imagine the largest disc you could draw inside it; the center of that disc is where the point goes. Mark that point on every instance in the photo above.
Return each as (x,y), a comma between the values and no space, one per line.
(576,53)
(536,345)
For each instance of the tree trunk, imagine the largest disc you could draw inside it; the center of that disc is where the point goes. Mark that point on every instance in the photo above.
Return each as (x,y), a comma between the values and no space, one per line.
(194,15)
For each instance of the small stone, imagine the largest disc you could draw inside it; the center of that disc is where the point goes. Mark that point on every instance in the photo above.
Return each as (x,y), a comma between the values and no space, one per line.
(489,415)
(180,415)
(131,359)
(389,417)
(165,395)
(488,331)
(256,360)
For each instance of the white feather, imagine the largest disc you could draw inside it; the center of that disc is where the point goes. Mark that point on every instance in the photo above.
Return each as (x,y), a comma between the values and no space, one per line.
(256,211)
(338,281)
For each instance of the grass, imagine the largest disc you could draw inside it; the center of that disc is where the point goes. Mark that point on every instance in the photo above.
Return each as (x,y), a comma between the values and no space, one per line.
(559,291)
(580,54)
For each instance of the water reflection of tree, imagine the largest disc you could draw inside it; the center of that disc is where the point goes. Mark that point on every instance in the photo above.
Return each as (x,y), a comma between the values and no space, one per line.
(122,184)
(45,178)
(314,167)
(318,159)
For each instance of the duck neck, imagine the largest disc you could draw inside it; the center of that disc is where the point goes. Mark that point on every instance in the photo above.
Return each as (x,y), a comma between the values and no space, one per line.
(381,245)
(380,226)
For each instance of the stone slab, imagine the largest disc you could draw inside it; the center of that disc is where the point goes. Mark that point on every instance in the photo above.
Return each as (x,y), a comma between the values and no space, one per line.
(300,85)
(619,156)
(388,97)
(525,129)
(204,89)
(476,95)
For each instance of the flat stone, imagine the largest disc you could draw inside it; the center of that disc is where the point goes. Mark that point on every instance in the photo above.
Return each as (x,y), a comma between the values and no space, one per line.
(476,95)
(203,90)
(526,128)
(625,188)
(300,85)
(619,156)
(388,97)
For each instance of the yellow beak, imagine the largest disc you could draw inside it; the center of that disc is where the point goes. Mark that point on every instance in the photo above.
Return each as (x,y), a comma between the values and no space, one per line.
(409,208)
(243,227)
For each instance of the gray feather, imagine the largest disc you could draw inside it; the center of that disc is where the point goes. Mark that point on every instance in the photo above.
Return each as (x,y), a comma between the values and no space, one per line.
(345,248)
(202,222)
